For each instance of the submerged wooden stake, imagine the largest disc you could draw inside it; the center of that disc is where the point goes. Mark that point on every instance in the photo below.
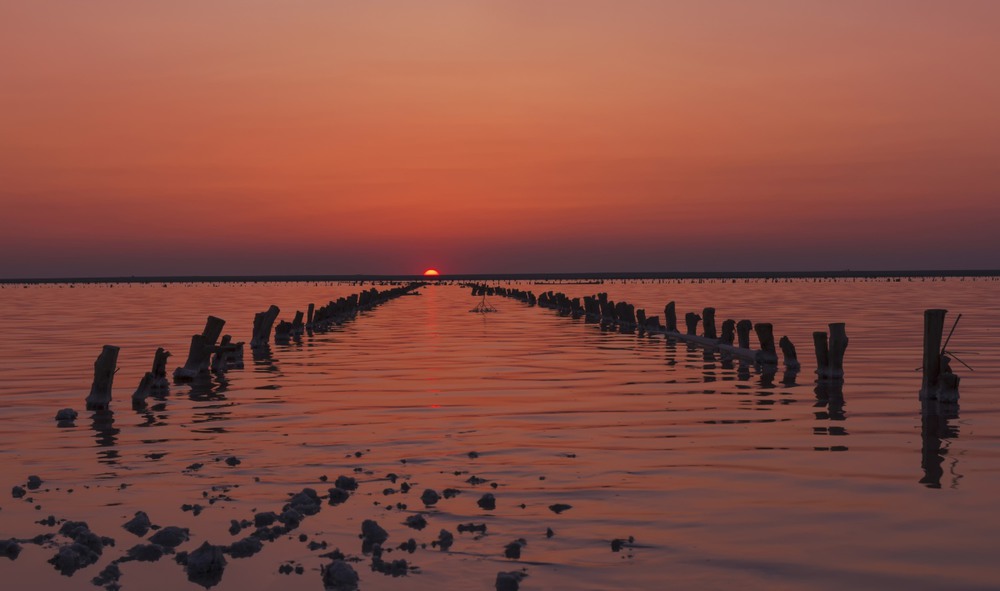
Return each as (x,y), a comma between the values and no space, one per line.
(939,382)
(708,321)
(104,376)
(670,316)
(743,328)
(788,352)
(765,334)
(262,324)
(728,332)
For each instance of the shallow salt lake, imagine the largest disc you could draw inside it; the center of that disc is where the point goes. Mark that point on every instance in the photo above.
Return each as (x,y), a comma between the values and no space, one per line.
(722,477)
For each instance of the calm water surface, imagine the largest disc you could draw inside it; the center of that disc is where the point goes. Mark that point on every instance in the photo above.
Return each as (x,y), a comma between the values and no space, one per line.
(722,476)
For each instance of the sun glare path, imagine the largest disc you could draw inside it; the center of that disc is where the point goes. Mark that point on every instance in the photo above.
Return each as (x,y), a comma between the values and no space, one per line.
(431,273)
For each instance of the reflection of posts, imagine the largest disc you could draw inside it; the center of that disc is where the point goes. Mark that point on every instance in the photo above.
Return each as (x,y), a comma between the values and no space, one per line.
(934,430)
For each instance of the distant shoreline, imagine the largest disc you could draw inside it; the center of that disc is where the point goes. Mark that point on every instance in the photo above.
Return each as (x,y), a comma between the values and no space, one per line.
(515,276)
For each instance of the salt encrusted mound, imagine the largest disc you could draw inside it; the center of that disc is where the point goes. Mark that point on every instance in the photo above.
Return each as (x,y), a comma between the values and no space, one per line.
(339,576)
(138,525)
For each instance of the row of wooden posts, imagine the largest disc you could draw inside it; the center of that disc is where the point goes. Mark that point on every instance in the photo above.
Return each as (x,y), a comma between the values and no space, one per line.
(939,382)
(208,354)
(734,338)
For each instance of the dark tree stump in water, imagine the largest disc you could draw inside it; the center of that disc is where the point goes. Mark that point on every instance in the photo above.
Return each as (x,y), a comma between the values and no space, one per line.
(104,376)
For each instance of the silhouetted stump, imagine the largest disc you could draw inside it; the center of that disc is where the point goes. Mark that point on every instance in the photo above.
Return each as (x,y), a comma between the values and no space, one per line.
(104,375)
(838,346)
(159,371)
(262,324)
(670,317)
(691,320)
(934,361)
(228,355)
(743,328)
(297,326)
(728,332)
(765,334)
(708,321)
(788,352)
(283,332)
(309,315)
(144,390)
(199,359)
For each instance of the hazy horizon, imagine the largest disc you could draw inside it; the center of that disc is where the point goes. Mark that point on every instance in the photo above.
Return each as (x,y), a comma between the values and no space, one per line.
(250,138)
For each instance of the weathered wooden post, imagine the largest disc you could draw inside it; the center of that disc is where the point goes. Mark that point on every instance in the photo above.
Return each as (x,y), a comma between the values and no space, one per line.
(743,328)
(765,334)
(153,382)
(822,354)
(708,321)
(262,324)
(838,345)
(728,332)
(939,382)
(933,331)
(160,383)
(297,327)
(200,353)
(788,352)
(691,320)
(228,355)
(670,316)
(144,390)
(213,329)
(104,376)
(309,316)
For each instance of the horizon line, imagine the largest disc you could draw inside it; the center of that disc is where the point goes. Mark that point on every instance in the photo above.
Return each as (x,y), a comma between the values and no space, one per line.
(562,276)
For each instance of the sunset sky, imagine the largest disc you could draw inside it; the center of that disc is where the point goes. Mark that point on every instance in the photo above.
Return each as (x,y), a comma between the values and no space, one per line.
(327,137)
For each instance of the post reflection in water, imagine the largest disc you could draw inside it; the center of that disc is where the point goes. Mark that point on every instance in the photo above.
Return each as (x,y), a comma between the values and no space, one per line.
(830,398)
(936,434)
(105,434)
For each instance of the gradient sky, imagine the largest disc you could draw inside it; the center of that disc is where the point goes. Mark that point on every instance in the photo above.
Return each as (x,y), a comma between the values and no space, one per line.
(320,136)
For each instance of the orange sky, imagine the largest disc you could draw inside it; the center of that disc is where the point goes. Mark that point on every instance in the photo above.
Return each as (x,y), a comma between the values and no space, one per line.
(235,137)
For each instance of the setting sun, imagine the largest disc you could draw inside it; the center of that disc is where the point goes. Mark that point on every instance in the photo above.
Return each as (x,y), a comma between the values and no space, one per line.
(431,273)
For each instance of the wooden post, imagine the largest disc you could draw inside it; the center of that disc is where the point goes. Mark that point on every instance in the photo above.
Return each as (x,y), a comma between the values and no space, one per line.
(765,334)
(104,376)
(670,316)
(159,371)
(838,345)
(708,321)
(822,355)
(282,332)
(933,330)
(728,332)
(297,327)
(200,353)
(743,328)
(144,390)
(213,330)
(198,361)
(262,324)
(788,352)
(691,320)
(309,315)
